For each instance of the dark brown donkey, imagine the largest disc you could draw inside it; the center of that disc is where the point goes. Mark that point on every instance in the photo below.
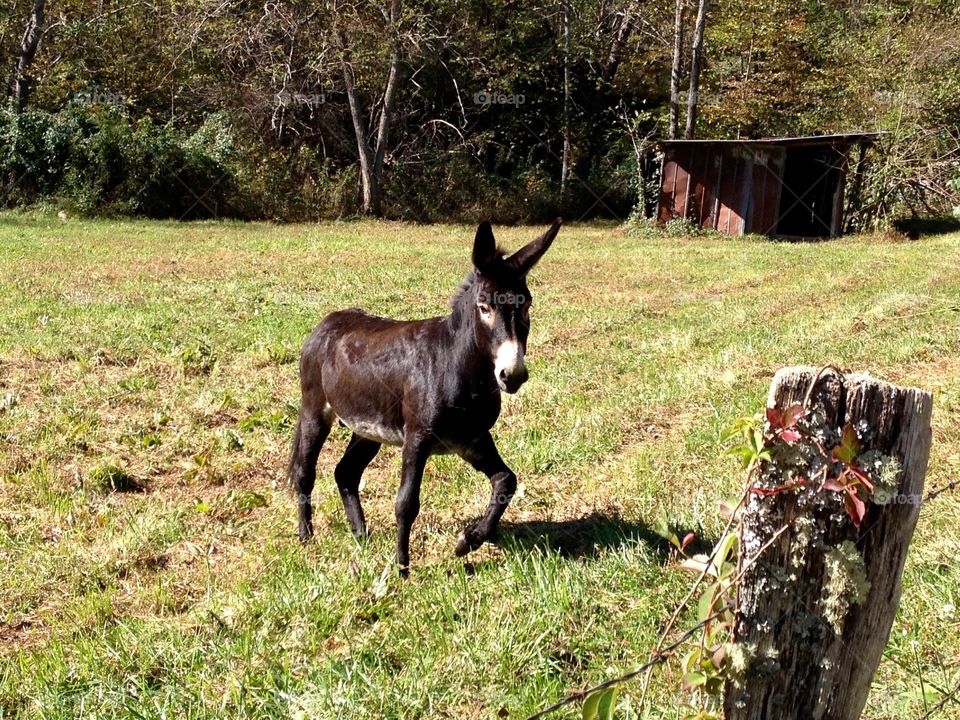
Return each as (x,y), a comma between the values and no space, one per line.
(432,386)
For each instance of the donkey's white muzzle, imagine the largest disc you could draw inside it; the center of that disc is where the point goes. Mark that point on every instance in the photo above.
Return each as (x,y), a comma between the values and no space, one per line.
(508,366)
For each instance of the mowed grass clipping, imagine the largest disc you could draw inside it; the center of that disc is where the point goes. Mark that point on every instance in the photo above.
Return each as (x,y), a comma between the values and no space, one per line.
(148,387)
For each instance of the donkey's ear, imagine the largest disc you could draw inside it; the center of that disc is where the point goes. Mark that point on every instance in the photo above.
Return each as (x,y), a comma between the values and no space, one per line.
(484,247)
(529,255)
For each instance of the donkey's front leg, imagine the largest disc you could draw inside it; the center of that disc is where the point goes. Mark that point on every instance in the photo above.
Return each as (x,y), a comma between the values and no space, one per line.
(415,455)
(484,457)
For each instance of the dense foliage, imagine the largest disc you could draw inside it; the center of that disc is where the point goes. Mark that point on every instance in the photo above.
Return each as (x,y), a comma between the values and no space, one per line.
(243,109)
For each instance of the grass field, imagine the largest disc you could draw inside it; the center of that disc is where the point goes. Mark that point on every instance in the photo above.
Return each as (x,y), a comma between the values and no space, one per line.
(148,562)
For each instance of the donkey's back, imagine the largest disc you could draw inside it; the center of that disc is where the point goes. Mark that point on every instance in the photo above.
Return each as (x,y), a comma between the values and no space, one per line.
(361,367)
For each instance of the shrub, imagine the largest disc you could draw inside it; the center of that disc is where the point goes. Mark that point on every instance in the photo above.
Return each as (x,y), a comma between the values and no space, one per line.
(98,161)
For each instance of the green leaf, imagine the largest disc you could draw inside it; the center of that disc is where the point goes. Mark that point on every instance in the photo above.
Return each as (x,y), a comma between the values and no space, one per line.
(724,551)
(707,601)
(591,706)
(694,679)
(727,570)
(927,695)
(608,703)
(744,453)
(692,660)
(246,499)
(662,528)
(849,448)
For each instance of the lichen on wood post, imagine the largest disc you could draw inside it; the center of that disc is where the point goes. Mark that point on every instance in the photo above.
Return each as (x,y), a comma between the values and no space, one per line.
(814,612)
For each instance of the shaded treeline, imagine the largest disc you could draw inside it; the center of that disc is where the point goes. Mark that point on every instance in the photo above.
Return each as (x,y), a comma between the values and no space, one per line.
(440,109)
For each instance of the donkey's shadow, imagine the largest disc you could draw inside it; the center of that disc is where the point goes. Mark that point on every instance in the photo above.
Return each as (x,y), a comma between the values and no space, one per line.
(582,537)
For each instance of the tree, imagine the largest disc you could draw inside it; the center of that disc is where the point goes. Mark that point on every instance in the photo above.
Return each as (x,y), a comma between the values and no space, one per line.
(696,65)
(372,146)
(675,70)
(21,82)
(565,162)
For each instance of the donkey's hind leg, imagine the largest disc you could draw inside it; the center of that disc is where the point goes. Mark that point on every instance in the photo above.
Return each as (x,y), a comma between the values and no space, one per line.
(312,430)
(359,453)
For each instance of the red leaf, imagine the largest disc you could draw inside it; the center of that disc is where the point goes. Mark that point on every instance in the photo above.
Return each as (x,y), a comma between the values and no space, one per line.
(792,414)
(719,655)
(689,538)
(790,436)
(767,492)
(834,484)
(856,509)
(776,490)
(774,418)
(862,477)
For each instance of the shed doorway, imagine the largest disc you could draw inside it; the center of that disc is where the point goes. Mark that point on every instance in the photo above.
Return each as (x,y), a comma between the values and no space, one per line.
(809,198)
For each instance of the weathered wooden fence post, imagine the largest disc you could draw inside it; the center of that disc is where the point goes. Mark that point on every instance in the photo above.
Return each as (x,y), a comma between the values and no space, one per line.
(815,609)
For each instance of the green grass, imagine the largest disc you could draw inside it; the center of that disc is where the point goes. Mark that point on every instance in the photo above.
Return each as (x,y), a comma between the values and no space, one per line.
(160,359)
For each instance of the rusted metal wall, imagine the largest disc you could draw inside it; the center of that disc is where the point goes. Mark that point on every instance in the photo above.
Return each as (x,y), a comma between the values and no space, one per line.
(767,174)
(733,188)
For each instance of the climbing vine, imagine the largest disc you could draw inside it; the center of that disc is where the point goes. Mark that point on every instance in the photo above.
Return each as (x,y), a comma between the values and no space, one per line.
(794,450)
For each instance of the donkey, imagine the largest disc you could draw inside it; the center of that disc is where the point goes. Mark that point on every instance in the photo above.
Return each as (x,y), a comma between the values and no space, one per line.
(432,386)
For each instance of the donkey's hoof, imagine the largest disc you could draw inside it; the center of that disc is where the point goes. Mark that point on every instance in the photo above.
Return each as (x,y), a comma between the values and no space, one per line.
(362,536)
(464,545)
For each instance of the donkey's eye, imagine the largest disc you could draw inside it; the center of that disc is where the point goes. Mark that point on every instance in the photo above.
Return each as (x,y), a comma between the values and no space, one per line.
(485,309)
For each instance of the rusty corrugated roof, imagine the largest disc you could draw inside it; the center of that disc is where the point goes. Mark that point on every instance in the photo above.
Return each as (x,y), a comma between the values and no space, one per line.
(802,140)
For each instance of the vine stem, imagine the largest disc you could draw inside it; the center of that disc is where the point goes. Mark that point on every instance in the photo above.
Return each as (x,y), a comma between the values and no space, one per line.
(937,491)
(659,656)
(749,564)
(676,613)
(693,588)
(733,516)
(816,379)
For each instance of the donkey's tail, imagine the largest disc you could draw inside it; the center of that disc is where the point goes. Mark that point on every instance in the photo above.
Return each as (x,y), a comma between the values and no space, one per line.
(293,467)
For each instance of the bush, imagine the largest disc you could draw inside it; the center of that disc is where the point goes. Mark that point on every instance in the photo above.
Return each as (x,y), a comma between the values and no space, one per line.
(98,161)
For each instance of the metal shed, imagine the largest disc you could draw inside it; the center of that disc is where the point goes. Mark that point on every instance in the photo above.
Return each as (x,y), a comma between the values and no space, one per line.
(785,187)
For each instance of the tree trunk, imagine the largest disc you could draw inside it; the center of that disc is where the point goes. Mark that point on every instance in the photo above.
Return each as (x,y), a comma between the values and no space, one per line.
(696,65)
(675,71)
(815,612)
(565,161)
(372,155)
(620,38)
(22,83)
(389,95)
(856,195)
(370,187)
